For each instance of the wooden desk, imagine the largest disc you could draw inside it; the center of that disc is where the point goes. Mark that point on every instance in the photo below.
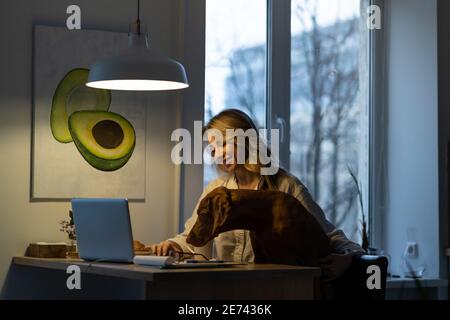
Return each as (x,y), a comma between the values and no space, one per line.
(253,281)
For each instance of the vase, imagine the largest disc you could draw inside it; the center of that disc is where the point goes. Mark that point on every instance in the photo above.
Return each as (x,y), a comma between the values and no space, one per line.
(72,249)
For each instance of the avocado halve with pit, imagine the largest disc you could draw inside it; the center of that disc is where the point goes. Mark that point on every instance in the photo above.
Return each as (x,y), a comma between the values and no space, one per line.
(106,140)
(73,95)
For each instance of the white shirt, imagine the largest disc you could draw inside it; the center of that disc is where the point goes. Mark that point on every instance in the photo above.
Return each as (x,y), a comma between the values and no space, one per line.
(235,245)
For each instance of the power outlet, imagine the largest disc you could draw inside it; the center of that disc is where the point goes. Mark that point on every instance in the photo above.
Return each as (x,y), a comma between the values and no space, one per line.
(411,249)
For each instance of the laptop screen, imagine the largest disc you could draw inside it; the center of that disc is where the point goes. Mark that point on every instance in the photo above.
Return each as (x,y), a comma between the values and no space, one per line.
(103,229)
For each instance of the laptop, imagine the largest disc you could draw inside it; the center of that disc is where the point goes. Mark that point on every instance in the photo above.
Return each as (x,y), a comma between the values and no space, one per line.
(103,229)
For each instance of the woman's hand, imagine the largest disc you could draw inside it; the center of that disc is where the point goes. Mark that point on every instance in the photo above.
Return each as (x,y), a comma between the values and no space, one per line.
(163,248)
(138,246)
(334,265)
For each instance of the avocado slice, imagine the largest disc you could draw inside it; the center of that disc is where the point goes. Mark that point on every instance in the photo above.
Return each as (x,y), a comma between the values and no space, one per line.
(105,139)
(73,95)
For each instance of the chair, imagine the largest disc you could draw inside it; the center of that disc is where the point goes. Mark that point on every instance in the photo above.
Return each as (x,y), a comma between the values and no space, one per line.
(353,283)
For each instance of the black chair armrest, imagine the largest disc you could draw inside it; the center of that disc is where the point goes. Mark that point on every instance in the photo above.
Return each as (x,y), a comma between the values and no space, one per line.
(353,283)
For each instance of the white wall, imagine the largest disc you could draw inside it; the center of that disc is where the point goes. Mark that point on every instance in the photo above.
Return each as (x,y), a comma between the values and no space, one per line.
(412,175)
(21,221)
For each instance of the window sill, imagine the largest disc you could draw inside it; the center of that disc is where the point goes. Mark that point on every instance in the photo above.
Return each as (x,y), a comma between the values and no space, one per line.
(397,283)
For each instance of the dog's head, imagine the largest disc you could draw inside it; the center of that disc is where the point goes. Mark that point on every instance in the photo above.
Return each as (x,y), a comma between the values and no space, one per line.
(212,213)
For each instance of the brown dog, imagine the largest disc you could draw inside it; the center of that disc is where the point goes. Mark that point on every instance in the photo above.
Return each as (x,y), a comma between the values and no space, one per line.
(282,230)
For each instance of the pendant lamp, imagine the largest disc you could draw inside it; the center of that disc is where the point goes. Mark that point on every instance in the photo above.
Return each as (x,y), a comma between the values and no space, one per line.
(138,68)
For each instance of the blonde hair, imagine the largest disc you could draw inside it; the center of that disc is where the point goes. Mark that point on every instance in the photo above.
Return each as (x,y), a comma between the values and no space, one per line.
(237,119)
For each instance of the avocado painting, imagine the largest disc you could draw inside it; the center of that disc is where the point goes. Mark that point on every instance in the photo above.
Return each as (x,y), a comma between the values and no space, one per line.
(80,114)
(86,142)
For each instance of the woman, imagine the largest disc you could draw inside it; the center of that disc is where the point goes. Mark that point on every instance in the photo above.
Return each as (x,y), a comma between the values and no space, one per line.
(235,245)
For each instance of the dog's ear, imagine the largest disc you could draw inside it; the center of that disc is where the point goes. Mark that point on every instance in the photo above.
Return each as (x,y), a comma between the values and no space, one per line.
(201,232)
(204,206)
(222,207)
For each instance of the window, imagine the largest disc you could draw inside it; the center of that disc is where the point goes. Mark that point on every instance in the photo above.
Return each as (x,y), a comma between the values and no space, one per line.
(327,116)
(235,68)
(328,127)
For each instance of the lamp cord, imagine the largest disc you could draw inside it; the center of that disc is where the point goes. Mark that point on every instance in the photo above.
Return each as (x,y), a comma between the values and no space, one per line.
(138,21)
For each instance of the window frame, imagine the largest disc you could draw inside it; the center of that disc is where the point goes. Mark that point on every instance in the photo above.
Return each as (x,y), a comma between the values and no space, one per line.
(278,90)
(377,133)
(278,80)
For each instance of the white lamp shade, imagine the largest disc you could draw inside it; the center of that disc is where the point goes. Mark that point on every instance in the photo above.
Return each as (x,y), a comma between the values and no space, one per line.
(138,69)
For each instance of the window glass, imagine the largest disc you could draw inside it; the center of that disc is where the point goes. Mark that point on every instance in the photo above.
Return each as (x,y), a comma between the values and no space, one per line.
(235,70)
(328,123)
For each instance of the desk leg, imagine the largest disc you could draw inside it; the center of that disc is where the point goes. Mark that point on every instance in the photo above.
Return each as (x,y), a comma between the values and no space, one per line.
(292,288)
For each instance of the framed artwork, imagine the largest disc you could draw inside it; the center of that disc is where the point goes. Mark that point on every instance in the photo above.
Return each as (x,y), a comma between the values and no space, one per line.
(86,142)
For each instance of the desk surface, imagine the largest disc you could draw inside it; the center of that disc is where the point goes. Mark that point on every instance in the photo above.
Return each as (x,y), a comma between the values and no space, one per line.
(149,273)
(252,281)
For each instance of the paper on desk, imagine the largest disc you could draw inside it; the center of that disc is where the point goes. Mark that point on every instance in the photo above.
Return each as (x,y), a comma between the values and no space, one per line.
(154,260)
